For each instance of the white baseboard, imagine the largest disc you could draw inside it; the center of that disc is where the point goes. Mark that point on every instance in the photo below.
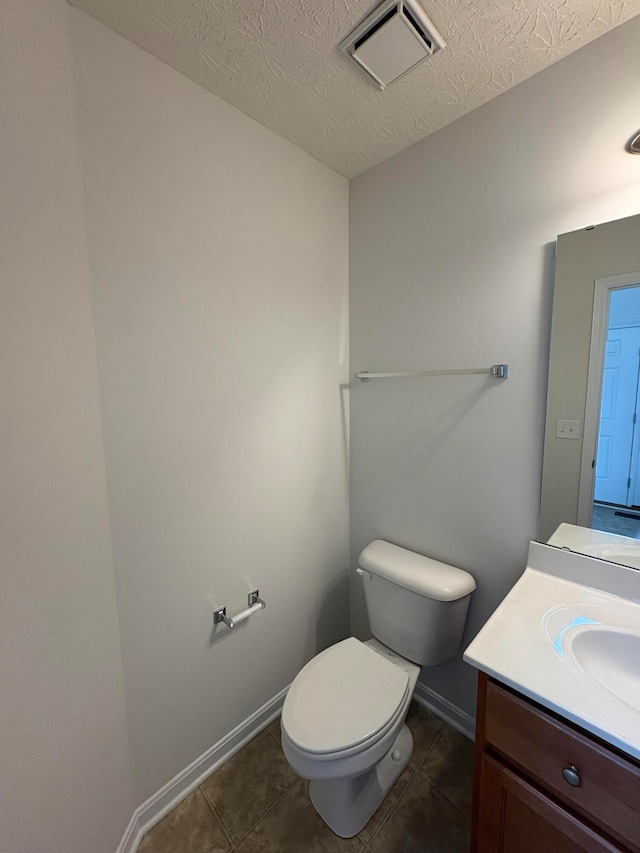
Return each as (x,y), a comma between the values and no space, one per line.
(161,803)
(446,710)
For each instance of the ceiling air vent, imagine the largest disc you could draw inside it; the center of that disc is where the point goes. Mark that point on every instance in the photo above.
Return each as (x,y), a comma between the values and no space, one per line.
(393,40)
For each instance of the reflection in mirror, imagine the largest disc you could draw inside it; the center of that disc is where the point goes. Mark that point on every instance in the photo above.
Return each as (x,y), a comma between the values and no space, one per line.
(582,457)
(597,543)
(612,499)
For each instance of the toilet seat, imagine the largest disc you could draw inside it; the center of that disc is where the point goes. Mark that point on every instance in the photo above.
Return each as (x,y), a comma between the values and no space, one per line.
(343,700)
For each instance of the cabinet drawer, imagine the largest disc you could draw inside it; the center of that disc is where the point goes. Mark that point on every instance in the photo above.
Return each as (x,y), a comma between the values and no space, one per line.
(541,746)
(516,817)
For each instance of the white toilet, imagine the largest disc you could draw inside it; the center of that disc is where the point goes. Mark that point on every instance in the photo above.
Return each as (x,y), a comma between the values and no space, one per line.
(343,718)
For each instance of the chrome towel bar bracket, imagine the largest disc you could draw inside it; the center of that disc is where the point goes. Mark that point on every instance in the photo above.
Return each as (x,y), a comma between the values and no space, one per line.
(254,603)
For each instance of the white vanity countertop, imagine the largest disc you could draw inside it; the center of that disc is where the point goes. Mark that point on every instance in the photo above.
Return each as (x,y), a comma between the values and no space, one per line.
(587,540)
(535,642)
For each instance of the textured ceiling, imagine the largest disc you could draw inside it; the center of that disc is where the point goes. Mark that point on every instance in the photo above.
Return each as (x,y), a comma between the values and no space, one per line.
(278,61)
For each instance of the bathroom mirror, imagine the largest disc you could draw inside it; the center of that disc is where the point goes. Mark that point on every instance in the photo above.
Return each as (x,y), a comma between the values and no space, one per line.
(594,316)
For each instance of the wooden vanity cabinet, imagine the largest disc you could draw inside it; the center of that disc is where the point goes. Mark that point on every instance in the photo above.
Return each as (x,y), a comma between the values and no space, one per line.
(543,785)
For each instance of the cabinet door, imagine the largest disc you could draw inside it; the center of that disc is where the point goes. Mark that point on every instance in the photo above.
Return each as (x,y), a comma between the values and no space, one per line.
(517,818)
(539,747)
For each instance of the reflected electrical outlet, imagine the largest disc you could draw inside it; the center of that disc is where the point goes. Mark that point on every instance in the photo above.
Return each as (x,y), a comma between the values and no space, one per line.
(567,429)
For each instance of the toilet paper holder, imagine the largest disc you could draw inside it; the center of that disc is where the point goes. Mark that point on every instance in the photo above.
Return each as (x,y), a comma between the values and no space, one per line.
(254,603)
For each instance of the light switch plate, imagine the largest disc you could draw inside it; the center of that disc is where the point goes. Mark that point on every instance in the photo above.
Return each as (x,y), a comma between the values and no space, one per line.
(567,429)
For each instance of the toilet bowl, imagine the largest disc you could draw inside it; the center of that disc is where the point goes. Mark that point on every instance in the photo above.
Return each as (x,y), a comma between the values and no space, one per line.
(343,729)
(343,717)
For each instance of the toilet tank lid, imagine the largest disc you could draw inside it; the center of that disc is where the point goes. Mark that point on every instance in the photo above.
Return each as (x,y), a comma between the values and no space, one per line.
(413,571)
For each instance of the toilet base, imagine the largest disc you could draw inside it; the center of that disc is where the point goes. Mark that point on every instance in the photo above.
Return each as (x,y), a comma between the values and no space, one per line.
(347,805)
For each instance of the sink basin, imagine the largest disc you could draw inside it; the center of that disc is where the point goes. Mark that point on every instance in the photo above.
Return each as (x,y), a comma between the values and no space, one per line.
(611,657)
(567,636)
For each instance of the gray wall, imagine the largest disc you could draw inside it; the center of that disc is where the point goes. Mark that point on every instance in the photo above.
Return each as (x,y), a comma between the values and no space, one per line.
(452,266)
(65,783)
(219,272)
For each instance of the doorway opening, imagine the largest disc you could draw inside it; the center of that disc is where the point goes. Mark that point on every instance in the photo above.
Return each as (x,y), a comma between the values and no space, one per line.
(616,495)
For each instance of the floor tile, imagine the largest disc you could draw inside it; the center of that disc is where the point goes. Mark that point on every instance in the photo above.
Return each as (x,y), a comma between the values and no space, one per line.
(387,804)
(274,728)
(293,826)
(425,727)
(244,788)
(422,820)
(616,519)
(448,766)
(191,827)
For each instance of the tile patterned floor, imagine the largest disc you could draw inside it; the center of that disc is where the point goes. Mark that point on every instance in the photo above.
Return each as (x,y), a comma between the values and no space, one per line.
(256,804)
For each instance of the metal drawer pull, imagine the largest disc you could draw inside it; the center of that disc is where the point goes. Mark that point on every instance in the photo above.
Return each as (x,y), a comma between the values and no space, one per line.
(571,776)
(255,603)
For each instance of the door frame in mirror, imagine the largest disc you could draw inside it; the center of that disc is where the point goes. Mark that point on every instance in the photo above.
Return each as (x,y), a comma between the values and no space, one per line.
(599,329)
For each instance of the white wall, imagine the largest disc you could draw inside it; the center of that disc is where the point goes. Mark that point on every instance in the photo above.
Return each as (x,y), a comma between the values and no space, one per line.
(65,785)
(219,269)
(452,266)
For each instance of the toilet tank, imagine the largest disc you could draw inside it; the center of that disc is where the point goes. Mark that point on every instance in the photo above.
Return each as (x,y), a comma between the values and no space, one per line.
(417,606)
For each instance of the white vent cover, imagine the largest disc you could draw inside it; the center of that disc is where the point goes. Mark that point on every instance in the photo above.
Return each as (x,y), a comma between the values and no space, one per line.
(393,40)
